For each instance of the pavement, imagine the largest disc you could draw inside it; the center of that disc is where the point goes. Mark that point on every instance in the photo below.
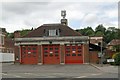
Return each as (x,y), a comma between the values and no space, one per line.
(106,68)
(58,71)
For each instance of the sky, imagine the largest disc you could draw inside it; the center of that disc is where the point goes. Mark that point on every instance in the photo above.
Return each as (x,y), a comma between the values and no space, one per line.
(24,14)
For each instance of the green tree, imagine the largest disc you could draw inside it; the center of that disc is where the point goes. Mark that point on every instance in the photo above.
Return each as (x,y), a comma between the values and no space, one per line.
(24,32)
(100,28)
(117,58)
(99,33)
(86,31)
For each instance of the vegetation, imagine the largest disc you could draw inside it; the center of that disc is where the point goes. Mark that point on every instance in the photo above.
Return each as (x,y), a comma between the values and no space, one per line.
(108,34)
(116,57)
(22,33)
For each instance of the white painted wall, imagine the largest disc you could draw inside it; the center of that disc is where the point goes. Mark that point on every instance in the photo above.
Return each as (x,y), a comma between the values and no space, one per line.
(7,57)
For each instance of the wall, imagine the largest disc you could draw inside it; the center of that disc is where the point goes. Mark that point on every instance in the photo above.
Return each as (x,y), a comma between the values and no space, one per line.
(62,52)
(17,53)
(86,53)
(94,57)
(7,57)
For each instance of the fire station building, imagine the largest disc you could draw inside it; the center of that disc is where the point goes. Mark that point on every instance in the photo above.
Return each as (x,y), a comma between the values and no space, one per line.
(52,44)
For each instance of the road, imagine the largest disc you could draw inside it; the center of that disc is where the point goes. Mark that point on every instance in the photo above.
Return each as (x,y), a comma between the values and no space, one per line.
(54,71)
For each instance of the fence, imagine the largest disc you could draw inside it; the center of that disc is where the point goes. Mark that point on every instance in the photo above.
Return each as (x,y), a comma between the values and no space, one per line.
(6,50)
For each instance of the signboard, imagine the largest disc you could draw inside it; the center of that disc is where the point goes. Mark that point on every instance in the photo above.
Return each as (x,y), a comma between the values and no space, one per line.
(99,54)
(110,60)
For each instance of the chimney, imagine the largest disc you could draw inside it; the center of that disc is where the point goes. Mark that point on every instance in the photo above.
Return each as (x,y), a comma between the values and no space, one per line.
(17,34)
(64,20)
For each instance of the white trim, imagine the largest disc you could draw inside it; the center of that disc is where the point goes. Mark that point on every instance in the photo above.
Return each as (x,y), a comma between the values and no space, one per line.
(39,63)
(53,38)
(86,63)
(62,63)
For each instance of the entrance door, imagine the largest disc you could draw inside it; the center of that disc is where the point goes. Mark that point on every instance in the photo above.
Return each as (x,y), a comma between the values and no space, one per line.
(73,54)
(29,54)
(51,54)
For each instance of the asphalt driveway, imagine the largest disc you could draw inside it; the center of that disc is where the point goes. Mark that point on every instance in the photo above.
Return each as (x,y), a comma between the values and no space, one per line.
(51,71)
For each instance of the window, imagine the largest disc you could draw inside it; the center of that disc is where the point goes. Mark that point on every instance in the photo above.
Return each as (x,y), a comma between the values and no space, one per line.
(79,49)
(45,48)
(24,52)
(79,55)
(53,32)
(34,52)
(45,52)
(34,48)
(73,54)
(24,48)
(29,48)
(51,48)
(56,48)
(45,55)
(56,52)
(67,54)
(51,55)
(73,48)
(68,48)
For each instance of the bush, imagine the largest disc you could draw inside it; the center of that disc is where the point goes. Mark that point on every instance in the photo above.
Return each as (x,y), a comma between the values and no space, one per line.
(116,57)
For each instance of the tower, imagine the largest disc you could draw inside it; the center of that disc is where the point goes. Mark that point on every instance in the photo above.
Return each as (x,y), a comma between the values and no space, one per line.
(64,20)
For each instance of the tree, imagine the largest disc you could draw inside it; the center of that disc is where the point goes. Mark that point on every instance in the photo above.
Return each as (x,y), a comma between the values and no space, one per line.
(86,31)
(99,33)
(116,57)
(100,28)
(90,33)
(118,33)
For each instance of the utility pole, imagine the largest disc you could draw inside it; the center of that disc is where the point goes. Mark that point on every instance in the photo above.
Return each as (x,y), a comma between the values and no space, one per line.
(101,53)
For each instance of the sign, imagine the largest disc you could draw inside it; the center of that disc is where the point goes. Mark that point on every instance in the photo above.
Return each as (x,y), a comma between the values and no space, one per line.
(51,52)
(29,52)
(73,51)
(110,60)
(99,54)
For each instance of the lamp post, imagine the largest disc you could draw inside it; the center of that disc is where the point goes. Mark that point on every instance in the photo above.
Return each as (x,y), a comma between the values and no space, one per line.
(101,53)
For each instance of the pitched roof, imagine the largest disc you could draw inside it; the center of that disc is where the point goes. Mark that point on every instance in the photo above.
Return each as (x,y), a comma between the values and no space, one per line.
(114,42)
(63,30)
(93,47)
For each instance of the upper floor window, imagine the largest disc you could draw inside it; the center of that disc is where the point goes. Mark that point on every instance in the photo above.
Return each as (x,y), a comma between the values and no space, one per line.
(53,32)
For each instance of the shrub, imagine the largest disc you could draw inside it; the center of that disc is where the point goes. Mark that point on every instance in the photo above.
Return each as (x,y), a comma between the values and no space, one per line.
(116,57)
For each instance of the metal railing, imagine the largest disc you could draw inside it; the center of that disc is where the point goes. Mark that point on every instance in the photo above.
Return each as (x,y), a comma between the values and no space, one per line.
(6,50)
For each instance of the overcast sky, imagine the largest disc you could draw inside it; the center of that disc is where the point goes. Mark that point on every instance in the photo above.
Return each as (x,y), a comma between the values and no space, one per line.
(25,15)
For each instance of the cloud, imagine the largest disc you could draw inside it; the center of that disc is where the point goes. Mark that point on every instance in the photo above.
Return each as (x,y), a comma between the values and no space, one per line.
(25,15)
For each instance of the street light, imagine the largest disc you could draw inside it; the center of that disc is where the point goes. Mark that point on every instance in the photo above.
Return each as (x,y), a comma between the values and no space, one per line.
(101,53)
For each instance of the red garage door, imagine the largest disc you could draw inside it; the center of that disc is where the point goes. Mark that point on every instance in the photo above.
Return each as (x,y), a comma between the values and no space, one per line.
(51,54)
(73,54)
(29,54)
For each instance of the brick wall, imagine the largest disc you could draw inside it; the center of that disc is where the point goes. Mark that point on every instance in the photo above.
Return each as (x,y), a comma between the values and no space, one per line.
(40,54)
(17,34)
(94,57)
(17,53)
(62,52)
(86,53)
